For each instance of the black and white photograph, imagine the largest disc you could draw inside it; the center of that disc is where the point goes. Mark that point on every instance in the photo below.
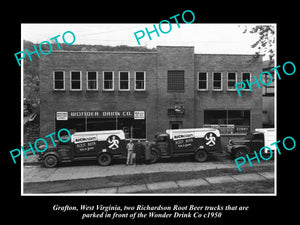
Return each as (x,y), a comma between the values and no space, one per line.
(134,109)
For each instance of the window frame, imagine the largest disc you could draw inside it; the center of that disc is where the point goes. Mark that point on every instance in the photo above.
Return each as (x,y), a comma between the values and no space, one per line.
(144,89)
(113,81)
(235,81)
(80,73)
(128,72)
(213,76)
(87,81)
(64,80)
(198,80)
(247,88)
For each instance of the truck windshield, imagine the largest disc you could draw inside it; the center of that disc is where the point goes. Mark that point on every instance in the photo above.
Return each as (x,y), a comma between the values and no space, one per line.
(161,139)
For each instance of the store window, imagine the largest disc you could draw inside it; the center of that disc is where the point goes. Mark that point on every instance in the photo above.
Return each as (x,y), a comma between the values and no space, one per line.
(58,80)
(176,80)
(92,80)
(124,81)
(202,81)
(140,81)
(108,81)
(231,81)
(228,121)
(217,81)
(133,126)
(75,83)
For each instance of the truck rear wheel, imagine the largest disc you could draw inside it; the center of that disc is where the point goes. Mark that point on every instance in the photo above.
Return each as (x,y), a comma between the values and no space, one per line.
(104,159)
(201,156)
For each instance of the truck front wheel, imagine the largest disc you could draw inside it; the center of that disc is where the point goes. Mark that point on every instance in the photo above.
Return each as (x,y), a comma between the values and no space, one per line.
(104,159)
(201,156)
(50,161)
(240,152)
(154,157)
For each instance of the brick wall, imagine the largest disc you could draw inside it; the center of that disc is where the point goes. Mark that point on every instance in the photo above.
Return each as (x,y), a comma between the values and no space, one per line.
(156,99)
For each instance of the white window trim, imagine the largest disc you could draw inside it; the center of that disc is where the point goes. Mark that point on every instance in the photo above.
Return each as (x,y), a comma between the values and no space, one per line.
(144,89)
(71,81)
(206,89)
(246,82)
(54,80)
(113,81)
(128,89)
(87,81)
(221,81)
(233,89)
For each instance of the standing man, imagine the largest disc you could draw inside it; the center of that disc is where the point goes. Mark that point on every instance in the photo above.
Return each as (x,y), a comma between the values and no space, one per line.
(139,151)
(130,154)
(147,152)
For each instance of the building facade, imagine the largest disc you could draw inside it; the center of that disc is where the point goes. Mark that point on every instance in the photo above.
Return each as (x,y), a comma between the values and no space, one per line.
(148,92)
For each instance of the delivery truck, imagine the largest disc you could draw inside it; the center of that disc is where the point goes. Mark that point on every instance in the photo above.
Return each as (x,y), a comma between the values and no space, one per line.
(197,142)
(253,141)
(102,146)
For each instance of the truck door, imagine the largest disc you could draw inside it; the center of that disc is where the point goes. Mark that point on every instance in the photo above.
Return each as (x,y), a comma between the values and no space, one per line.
(163,144)
(257,142)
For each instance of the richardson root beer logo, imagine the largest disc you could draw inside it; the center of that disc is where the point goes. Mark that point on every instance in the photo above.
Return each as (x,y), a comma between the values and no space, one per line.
(113,142)
(84,139)
(183,136)
(210,139)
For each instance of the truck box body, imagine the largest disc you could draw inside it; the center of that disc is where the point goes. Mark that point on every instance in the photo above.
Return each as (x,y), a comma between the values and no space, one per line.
(94,142)
(269,137)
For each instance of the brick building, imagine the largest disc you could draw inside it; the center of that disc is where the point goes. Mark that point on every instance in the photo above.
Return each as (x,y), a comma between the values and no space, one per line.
(148,92)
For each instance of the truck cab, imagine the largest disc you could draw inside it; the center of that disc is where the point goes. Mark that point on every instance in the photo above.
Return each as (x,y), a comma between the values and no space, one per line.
(199,142)
(253,141)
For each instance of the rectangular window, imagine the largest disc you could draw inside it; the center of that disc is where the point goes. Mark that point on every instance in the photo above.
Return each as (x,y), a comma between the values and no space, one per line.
(231,81)
(108,81)
(217,81)
(58,80)
(176,80)
(124,82)
(246,76)
(228,121)
(202,81)
(75,81)
(140,81)
(92,80)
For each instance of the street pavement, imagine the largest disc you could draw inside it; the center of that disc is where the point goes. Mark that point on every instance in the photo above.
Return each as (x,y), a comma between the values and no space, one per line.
(157,186)
(38,173)
(39,179)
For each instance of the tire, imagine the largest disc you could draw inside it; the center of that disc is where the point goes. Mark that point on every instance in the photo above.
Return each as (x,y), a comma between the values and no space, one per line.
(154,157)
(201,156)
(50,161)
(240,152)
(104,159)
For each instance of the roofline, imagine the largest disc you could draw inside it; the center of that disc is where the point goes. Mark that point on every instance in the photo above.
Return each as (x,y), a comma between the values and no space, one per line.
(116,52)
(150,52)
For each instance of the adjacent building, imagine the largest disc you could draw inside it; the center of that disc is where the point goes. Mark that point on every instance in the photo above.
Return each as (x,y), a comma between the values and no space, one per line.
(148,92)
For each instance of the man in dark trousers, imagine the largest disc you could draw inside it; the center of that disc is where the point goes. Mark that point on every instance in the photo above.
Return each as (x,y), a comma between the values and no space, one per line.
(147,152)
(139,149)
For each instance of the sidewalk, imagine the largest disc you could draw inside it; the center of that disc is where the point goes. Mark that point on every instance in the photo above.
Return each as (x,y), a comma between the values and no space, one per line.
(156,186)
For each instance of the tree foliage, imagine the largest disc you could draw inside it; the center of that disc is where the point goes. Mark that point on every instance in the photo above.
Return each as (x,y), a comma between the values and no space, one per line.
(265,44)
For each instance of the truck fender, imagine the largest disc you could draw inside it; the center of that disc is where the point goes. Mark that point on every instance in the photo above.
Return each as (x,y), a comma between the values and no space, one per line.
(157,151)
(240,150)
(52,153)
